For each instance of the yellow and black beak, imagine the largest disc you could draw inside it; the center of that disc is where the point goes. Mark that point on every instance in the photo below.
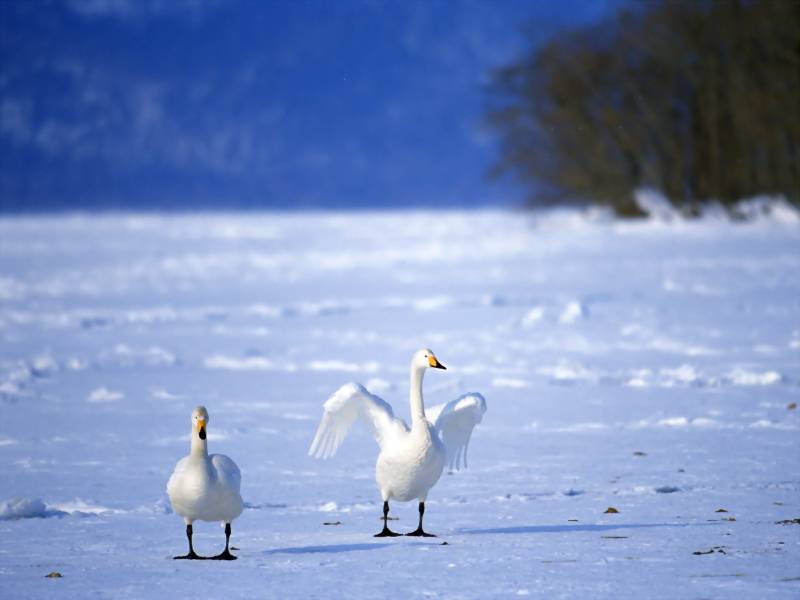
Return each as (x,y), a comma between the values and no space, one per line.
(434,362)
(201,428)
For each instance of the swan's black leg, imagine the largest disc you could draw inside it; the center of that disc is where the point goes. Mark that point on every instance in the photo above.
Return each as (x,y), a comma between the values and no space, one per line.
(191,555)
(226,554)
(419,531)
(386,532)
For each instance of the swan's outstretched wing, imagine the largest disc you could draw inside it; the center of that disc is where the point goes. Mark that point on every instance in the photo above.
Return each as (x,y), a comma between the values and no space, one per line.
(455,421)
(350,401)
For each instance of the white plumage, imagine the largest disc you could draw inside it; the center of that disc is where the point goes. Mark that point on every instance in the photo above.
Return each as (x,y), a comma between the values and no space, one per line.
(411,460)
(455,422)
(203,487)
(351,401)
(206,489)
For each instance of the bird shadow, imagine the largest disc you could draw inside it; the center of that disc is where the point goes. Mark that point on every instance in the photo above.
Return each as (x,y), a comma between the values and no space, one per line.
(332,549)
(575,528)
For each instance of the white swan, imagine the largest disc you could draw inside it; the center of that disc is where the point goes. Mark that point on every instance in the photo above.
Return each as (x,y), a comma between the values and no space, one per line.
(410,461)
(205,488)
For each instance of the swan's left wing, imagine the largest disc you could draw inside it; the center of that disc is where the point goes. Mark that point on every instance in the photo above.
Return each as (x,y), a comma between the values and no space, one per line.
(350,402)
(455,421)
(227,471)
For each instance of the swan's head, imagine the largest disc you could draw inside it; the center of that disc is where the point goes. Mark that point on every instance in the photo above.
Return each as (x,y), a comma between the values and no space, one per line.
(425,358)
(199,421)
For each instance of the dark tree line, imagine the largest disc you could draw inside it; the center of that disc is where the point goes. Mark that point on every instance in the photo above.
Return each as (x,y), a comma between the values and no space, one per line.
(699,99)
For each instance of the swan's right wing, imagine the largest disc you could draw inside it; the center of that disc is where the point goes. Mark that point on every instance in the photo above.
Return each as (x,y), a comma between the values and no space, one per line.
(227,471)
(351,401)
(455,421)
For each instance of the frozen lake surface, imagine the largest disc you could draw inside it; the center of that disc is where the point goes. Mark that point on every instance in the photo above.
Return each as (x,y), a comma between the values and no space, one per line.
(647,366)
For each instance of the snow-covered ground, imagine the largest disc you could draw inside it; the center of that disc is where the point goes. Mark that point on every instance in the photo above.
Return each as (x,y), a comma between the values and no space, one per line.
(643,366)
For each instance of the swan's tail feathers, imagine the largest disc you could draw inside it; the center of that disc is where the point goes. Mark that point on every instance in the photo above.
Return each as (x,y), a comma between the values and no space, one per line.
(455,422)
(350,402)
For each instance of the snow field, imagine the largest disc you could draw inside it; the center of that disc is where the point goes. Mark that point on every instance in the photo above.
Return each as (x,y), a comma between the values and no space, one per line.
(646,366)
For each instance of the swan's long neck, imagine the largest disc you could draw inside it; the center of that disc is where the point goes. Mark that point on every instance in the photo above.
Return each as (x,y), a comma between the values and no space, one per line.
(199,447)
(417,406)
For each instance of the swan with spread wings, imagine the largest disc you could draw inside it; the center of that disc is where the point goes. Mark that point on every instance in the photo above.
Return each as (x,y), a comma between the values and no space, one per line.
(411,459)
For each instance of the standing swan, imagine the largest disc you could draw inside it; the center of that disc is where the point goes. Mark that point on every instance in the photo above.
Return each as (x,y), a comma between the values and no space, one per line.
(205,488)
(410,461)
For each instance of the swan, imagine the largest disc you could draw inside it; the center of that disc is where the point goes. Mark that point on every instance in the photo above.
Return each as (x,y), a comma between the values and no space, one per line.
(205,488)
(411,460)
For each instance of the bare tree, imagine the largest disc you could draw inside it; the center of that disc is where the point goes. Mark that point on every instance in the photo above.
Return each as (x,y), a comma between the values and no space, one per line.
(698,99)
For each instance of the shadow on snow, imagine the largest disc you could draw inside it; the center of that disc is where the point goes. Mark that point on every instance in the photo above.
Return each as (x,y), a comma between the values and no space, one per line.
(574,528)
(334,548)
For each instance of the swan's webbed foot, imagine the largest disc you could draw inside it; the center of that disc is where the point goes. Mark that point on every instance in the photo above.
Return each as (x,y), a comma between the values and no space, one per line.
(191,556)
(387,533)
(418,532)
(225,554)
